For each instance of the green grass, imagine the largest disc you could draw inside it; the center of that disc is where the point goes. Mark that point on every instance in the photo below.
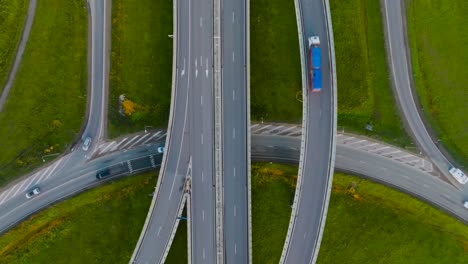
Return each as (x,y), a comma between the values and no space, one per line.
(178,252)
(370,223)
(101,225)
(46,105)
(275,67)
(364,93)
(141,64)
(439,52)
(12,15)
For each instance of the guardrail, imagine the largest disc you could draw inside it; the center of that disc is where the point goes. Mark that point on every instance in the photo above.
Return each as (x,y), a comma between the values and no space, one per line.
(217,77)
(249,154)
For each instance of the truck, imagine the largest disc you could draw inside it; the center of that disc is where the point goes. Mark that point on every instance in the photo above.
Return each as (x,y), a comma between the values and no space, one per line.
(458,175)
(315,63)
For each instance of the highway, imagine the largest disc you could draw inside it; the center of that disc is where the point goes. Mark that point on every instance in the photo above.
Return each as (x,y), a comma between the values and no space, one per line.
(312,192)
(203,245)
(399,60)
(189,150)
(235,117)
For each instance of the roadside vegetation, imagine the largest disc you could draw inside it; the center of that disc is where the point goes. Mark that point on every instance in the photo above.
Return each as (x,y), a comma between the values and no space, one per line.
(46,105)
(141,65)
(364,93)
(366,222)
(101,225)
(12,15)
(439,52)
(275,64)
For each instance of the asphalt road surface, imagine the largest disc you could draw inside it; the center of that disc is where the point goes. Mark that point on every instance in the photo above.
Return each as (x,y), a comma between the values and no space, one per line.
(401,75)
(71,180)
(375,167)
(190,146)
(305,232)
(235,157)
(264,147)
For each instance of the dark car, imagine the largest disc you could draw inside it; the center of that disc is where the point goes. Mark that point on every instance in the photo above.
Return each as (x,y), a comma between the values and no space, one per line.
(103,173)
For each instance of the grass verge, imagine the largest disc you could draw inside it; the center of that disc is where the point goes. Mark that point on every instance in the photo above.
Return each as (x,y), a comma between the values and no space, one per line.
(439,51)
(364,94)
(45,108)
(275,67)
(367,222)
(101,225)
(12,15)
(141,61)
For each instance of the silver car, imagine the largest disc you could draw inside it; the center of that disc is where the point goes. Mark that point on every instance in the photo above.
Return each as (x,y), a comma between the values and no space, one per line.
(86,143)
(33,192)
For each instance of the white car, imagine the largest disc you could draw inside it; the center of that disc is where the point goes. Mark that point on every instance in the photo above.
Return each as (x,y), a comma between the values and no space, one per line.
(33,192)
(465,204)
(161,150)
(86,143)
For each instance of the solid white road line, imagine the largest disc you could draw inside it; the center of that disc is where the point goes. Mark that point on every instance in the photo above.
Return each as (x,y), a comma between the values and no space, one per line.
(52,170)
(143,137)
(120,143)
(156,134)
(104,150)
(130,141)
(288,129)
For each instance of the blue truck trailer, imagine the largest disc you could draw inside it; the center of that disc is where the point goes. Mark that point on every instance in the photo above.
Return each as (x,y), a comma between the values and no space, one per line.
(315,62)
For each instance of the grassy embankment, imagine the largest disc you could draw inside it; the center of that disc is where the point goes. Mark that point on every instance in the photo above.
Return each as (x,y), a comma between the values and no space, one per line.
(12,15)
(439,51)
(365,223)
(46,105)
(141,63)
(364,93)
(274,61)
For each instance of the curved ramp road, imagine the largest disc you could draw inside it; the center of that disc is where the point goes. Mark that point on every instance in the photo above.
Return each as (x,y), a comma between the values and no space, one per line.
(316,166)
(401,75)
(189,143)
(264,147)
(67,181)
(389,171)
